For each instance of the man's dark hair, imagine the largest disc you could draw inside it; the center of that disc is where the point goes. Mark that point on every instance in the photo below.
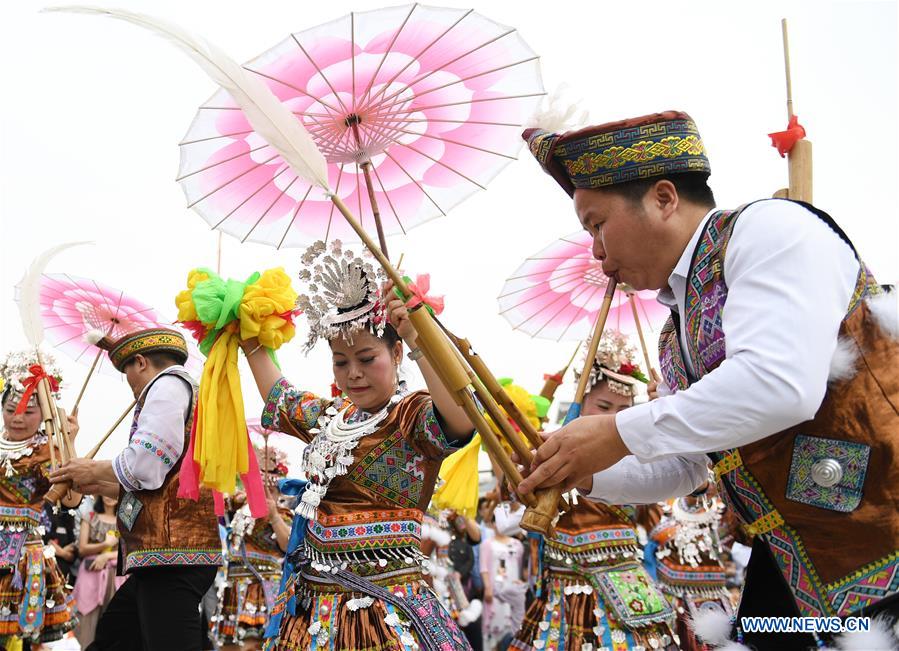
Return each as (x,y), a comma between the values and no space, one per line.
(692,186)
(158,359)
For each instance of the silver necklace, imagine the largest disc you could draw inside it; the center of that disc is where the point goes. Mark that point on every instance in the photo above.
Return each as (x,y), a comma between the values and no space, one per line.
(14,450)
(330,454)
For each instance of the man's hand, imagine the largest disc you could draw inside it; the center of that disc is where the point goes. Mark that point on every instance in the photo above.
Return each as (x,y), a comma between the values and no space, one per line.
(81,472)
(576,451)
(652,389)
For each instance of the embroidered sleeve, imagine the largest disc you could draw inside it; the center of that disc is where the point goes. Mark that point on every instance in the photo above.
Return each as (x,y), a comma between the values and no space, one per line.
(158,440)
(427,435)
(291,411)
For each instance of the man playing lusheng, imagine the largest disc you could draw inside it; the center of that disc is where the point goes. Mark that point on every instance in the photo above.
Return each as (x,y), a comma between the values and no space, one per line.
(780,353)
(169,545)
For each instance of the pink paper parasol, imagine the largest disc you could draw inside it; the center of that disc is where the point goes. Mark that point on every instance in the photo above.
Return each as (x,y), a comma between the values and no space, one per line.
(414,107)
(557,293)
(72,306)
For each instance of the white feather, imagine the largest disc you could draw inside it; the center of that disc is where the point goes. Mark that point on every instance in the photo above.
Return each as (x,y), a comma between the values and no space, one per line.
(558,114)
(885,309)
(844,360)
(93,337)
(878,638)
(28,294)
(271,120)
(712,626)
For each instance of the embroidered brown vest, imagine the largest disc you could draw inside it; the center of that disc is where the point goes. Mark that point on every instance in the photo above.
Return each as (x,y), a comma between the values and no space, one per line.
(821,494)
(157,527)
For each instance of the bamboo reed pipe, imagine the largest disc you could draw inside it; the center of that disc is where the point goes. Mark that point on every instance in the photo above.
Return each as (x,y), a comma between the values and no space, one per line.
(495,388)
(446,364)
(594,341)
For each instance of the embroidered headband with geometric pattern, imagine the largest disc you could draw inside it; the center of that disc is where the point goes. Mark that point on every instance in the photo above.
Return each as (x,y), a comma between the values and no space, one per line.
(153,340)
(647,147)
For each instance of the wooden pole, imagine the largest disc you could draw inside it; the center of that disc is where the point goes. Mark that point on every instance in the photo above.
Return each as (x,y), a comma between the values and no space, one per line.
(551,383)
(786,40)
(594,341)
(633,301)
(799,160)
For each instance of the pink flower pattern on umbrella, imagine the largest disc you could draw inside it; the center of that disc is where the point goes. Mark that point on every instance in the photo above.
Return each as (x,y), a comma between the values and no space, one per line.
(71,306)
(557,293)
(433,98)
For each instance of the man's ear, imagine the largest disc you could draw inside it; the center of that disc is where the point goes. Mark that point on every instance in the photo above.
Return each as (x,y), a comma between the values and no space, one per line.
(664,198)
(141,362)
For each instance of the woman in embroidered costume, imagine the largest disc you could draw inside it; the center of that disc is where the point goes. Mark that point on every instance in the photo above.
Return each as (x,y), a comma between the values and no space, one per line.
(592,590)
(35,603)
(255,553)
(684,549)
(371,462)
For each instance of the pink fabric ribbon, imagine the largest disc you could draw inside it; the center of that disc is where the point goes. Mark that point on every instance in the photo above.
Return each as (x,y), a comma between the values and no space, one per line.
(189,479)
(419,290)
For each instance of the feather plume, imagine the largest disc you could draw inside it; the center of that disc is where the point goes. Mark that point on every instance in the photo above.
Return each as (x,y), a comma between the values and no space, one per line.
(28,293)
(271,120)
(557,113)
(93,337)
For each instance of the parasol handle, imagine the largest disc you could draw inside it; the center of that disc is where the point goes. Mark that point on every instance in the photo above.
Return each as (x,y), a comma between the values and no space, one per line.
(633,302)
(594,341)
(90,374)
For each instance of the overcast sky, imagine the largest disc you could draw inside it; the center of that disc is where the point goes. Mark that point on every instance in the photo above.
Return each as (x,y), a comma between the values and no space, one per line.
(93,111)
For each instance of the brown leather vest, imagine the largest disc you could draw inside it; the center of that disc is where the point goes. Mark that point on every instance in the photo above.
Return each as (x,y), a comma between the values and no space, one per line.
(157,527)
(821,494)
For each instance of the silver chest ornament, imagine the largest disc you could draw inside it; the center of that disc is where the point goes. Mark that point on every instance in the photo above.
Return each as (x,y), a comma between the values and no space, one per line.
(827,472)
(330,454)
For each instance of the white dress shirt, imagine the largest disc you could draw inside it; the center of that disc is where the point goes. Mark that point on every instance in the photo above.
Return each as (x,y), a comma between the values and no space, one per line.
(158,441)
(789,279)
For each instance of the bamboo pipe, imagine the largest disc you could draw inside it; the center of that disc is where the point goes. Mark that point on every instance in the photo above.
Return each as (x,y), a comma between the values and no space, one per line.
(633,302)
(59,491)
(594,341)
(49,424)
(495,388)
(448,368)
(551,384)
(799,160)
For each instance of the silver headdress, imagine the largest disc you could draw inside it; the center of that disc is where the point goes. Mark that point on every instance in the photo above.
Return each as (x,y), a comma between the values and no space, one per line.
(14,369)
(342,293)
(614,363)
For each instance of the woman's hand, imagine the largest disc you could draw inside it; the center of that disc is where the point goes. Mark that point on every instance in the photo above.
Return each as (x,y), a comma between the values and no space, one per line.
(101,561)
(72,420)
(398,315)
